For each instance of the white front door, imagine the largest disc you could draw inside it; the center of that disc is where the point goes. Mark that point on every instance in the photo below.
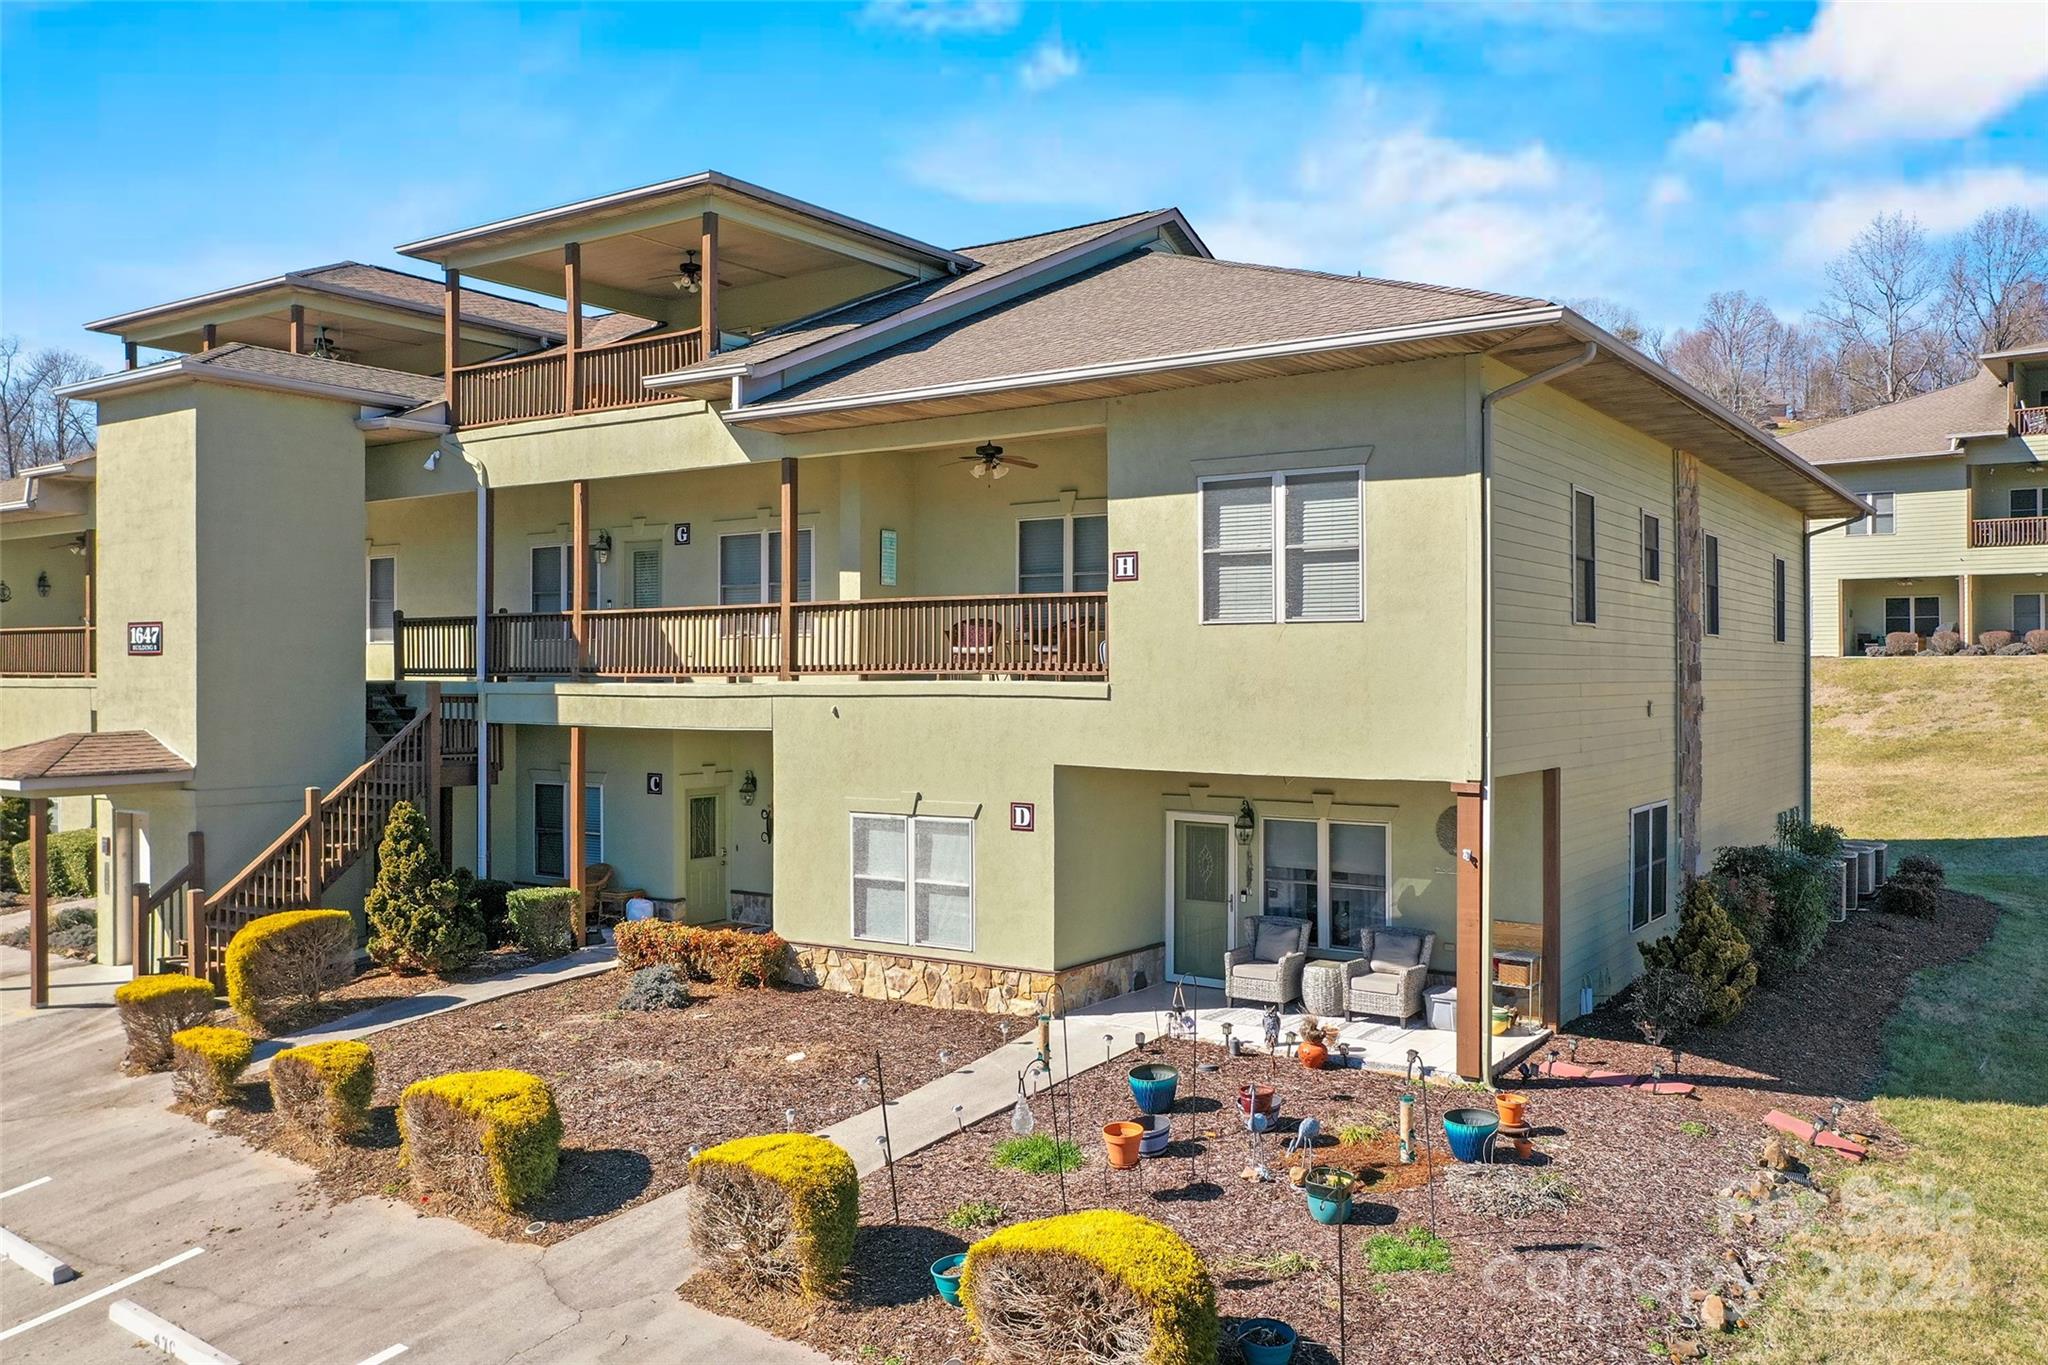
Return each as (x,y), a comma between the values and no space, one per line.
(131,869)
(1201,884)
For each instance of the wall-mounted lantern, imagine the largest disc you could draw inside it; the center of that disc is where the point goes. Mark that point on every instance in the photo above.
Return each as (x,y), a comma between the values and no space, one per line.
(1245,823)
(602,547)
(748,788)
(42,584)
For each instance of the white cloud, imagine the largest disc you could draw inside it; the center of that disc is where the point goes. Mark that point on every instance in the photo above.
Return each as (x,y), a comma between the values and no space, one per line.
(1816,230)
(1667,192)
(945,16)
(1051,62)
(1868,73)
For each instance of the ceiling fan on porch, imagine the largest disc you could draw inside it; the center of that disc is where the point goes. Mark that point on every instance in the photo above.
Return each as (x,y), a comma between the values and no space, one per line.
(688,276)
(988,461)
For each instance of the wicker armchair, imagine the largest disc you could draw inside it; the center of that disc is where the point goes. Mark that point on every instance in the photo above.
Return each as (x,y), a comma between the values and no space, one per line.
(1274,974)
(1388,975)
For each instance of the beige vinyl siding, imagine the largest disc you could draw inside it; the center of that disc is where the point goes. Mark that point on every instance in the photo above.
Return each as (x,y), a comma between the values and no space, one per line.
(1752,734)
(1595,701)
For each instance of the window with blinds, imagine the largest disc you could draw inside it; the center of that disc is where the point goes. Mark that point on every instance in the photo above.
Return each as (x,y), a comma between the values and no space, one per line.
(750,567)
(1287,546)
(647,576)
(383,591)
(1649,858)
(1063,554)
(913,880)
(1585,562)
(1777,599)
(1091,555)
(1712,580)
(551,824)
(1653,548)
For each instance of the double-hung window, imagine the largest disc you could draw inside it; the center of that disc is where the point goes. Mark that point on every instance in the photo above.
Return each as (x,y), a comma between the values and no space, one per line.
(1885,523)
(1585,562)
(1711,581)
(913,880)
(1917,615)
(1649,862)
(1285,547)
(1653,548)
(1330,873)
(1063,554)
(548,578)
(383,597)
(2027,502)
(2029,612)
(1778,599)
(750,567)
(551,827)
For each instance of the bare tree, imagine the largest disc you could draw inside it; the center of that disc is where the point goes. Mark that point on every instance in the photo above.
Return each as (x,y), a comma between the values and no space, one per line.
(36,426)
(1996,294)
(1622,320)
(1736,353)
(1879,307)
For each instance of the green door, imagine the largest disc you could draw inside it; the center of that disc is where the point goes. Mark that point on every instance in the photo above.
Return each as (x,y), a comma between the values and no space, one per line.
(1201,900)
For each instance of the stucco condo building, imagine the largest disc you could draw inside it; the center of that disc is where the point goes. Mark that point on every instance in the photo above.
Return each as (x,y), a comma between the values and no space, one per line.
(981,617)
(1957,481)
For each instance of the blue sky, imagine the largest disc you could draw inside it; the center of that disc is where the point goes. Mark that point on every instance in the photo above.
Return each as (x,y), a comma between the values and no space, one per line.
(1647,153)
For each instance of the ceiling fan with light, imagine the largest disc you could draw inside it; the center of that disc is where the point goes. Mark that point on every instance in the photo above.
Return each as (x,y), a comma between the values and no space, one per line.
(688,276)
(988,461)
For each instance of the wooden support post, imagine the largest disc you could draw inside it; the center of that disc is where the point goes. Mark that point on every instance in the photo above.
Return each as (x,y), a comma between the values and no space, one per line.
(579,557)
(1553,894)
(707,299)
(314,853)
(139,954)
(786,604)
(295,330)
(198,945)
(38,901)
(451,340)
(128,354)
(1475,974)
(436,827)
(573,836)
(446,827)
(572,338)
(195,857)
(397,645)
(209,337)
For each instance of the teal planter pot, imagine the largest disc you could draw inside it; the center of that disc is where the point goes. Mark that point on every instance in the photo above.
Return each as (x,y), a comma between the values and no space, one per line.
(1266,1341)
(1470,1132)
(1153,1086)
(1329,1193)
(946,1276)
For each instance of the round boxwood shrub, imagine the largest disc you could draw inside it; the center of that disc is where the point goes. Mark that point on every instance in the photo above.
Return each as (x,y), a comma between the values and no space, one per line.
(778,1210)
(1994,640)
(322,1090)
(2037,640)
(153,1008)
(276,961)
(480,1137)
(1100,1287)
(543,919)
(208,1063)
(1945,642)
(1898,643)
(1914,888)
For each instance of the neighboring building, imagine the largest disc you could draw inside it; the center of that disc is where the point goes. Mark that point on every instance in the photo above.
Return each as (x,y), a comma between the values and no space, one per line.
(1958,479)
(981,618)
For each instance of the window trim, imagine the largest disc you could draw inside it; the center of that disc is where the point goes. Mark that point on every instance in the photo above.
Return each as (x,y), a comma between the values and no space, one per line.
(370,635)
(2041,601)
(1067,519)
(594,593)
(1913,617)
(810,579)
(1277,548)
(533,824)
(2040,492)
(1589,562)
(909,825)
(1322,825)
(1868,526)
(1650,546)
(1658,912)
(1780,608)
(1710,584)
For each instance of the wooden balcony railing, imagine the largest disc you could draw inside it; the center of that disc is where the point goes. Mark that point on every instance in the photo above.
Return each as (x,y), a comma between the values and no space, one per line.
(46,652)
(526,386)
(1058,635)
(2030,421)
(2000,532)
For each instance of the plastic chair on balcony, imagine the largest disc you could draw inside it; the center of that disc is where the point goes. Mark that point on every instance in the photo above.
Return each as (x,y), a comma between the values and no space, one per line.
(975,644)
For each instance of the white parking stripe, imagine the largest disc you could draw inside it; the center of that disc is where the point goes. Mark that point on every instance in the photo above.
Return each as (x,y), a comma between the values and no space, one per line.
(187,1254)
(388,1353)
(39,1180)
(165,1335)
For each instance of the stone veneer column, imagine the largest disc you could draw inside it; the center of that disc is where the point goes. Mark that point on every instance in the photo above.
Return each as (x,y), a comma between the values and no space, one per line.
(1690,547)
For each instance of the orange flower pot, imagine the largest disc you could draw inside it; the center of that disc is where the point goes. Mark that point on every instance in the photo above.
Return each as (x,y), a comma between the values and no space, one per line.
(1313,1055)
(1513,1107)
(1121,1140)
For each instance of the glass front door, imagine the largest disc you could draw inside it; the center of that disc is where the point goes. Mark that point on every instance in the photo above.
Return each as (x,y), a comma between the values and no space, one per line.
(705,874)
(1200,909)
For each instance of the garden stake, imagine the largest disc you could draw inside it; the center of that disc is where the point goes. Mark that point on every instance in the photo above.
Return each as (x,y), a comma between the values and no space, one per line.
(1419,1073)
(959,1124)
(888,1150)
(1343,1343)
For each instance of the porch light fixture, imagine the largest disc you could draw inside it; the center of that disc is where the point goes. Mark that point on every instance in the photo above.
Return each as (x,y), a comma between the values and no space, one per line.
(602,547)
(42,584)
(6,593)
(690,274)
(748,787)
(1245,823)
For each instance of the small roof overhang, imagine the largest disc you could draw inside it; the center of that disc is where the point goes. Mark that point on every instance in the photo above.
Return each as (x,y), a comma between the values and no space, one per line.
(83,764)
(195,368)
(2001,363)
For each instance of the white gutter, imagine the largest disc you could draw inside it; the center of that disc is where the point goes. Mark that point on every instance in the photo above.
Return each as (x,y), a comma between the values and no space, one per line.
(188,368)
(1486,792)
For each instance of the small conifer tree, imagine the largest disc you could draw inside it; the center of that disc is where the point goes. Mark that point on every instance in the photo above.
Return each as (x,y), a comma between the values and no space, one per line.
(422,918)
(1709,949)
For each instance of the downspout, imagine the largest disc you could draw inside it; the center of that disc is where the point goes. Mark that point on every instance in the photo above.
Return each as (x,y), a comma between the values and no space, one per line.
(1486,403)
(1806,664)
(483,666)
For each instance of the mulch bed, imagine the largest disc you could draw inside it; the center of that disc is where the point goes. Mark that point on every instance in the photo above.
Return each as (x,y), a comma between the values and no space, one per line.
(1607,1279)
(637,1090)
(380,986)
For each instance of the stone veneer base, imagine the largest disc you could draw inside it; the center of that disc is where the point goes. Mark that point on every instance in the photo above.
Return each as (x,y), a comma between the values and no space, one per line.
(947,984)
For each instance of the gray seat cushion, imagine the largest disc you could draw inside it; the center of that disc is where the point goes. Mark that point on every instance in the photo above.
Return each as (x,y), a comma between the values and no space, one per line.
(1377,983)
(1390,952)
(1257,971)
(1277,938)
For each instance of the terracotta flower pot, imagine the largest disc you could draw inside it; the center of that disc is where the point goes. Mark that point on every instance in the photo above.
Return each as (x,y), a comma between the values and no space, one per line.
(1121,1139)
(1313,1055)
(1513,1107)
(1257,1099)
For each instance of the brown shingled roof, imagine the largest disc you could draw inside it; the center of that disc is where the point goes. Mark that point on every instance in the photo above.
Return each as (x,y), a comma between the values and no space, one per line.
(85,757)
(262,360)
(1924,426)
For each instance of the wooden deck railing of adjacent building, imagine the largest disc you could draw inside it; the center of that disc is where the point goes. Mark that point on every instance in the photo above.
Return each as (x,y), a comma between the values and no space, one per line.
(2030,421)
(1056,635)
(2001,532)
(521,387)
(46,652)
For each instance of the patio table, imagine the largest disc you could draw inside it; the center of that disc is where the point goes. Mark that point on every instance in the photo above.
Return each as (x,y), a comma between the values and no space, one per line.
(1322,987)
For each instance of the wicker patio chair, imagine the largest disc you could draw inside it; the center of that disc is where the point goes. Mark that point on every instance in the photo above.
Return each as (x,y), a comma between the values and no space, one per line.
(1266,965)
(1388,975)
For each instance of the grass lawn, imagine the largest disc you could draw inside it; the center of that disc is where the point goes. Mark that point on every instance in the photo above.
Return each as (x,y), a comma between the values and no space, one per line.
(1943,1255)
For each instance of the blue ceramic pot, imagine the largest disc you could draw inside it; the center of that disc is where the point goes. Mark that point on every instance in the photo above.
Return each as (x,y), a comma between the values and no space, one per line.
(1468,1131)
(1153,1086)
(1158,1132)
(946,1276)
(1262,1353)
(1329,1193)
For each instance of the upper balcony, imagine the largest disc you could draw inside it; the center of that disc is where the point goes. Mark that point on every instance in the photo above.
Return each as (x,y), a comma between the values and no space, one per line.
(690,267)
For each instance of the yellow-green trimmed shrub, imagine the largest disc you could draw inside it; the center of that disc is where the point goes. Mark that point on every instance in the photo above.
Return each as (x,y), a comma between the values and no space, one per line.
(208,1063)
(480,1137)
(1102,1287)
(152,1008)
(291,956)
(323,1090)
(543,918)
(780,1209)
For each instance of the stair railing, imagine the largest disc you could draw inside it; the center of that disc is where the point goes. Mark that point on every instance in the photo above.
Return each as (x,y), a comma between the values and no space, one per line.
(157,919)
